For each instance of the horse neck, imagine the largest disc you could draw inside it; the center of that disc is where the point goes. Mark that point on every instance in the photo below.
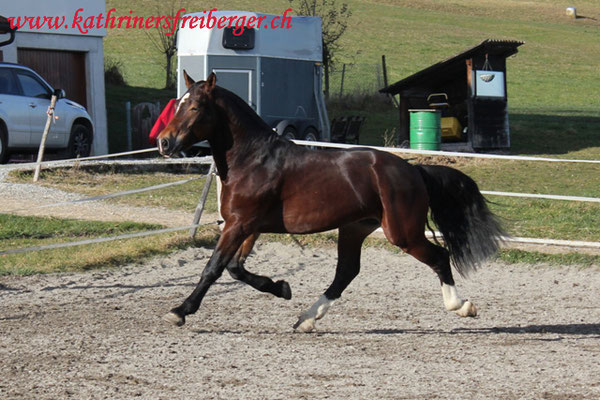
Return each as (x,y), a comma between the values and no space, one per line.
(236,137)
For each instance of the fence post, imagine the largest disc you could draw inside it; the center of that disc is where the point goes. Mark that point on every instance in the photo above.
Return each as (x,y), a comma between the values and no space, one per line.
(128,127)
(40,156)
(385,79)
(342,83)
(202,202)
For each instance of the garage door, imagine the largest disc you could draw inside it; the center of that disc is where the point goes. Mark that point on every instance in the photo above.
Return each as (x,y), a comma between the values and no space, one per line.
(61,69)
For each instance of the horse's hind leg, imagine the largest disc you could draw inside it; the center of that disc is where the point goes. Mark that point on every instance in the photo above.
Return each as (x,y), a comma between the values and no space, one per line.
(350,241)
(404,227)
(438,259)
(262,283)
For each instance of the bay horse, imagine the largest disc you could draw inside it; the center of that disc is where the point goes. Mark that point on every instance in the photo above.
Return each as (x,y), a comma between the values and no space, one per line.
(270,184)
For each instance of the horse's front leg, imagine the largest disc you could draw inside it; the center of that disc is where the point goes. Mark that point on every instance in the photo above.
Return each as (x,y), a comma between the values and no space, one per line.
(265,284)
(228,244)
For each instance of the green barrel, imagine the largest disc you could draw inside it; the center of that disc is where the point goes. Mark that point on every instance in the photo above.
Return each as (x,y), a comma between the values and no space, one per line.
(425,129)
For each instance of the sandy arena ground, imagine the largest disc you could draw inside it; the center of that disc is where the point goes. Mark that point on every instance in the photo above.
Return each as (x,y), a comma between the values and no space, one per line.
(99,335)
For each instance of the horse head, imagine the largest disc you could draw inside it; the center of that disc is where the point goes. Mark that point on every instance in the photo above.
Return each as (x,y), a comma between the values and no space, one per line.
(195,118)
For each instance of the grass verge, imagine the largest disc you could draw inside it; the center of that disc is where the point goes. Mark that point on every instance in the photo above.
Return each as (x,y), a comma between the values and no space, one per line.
(523,217)
(19,232)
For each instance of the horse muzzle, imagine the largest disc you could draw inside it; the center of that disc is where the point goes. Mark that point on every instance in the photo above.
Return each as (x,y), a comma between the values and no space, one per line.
(166,147)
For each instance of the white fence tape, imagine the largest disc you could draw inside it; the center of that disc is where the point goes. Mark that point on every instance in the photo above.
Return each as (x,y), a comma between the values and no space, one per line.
(100,240)
(443,153)
(546,242)
(97,160)
(543,196)
(553,242)
(90,158)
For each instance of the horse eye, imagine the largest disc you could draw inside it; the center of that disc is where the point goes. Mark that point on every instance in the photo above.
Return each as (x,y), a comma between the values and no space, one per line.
(195,109)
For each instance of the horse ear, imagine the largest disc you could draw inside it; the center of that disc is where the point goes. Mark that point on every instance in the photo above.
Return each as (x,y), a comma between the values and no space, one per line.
(188,80)
(211,81)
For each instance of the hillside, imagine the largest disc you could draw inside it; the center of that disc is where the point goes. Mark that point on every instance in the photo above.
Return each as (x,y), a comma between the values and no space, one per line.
(553,87)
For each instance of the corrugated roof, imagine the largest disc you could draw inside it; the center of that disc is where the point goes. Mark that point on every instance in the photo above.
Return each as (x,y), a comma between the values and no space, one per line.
(504,48)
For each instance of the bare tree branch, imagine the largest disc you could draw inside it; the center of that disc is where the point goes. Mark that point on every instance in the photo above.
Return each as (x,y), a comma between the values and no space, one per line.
(163,41)
(334,24)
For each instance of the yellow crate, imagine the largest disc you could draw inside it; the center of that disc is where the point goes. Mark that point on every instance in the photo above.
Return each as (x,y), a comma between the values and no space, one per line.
(451,128)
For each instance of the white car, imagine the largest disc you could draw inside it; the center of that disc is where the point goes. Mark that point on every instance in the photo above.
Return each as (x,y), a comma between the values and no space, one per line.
(24,101)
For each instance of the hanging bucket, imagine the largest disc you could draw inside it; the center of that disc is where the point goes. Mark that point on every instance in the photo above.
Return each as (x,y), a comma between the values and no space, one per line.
(425,129)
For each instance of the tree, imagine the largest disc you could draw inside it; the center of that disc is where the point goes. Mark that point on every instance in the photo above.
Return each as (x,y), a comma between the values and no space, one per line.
(165,42)
(334,22)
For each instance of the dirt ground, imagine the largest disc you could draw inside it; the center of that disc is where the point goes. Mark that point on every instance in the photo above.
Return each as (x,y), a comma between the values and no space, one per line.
(99,335)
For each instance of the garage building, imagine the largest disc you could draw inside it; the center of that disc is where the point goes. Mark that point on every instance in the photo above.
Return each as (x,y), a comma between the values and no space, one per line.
(67,58)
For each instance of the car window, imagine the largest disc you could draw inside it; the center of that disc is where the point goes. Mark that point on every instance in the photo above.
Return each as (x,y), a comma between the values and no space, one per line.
(7,82)
(32,87)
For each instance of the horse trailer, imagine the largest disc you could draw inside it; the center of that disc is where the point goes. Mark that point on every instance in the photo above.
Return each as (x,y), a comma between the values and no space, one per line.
(276,68)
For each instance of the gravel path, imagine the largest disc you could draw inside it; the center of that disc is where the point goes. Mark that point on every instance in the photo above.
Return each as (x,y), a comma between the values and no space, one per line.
(100,335)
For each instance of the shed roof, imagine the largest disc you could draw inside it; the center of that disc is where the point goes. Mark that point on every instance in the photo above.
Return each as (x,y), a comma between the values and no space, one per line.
(443,70)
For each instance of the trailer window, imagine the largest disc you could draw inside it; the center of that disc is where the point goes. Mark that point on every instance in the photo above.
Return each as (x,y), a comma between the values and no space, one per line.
(245,41)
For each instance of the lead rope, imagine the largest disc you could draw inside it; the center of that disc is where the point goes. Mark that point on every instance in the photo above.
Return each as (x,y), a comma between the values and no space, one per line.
(486,65)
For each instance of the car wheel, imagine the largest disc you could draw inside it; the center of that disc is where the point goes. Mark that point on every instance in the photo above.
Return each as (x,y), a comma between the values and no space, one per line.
(80,142)
(3,145)
(289,133)
(311,134)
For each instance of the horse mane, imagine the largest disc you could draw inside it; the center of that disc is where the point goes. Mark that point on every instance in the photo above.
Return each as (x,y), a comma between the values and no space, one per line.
(253,138)
(239,112)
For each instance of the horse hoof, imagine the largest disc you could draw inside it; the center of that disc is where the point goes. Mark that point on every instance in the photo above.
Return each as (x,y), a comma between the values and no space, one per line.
(305,326)
(468,309)
(284,290)
(174,319)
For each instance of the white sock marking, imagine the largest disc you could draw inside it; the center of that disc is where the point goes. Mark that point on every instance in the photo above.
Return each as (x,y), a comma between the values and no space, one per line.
(306,322)
(318,310)
(451,299)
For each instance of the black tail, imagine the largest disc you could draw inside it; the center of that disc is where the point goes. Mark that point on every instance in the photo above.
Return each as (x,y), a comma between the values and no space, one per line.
(471,232)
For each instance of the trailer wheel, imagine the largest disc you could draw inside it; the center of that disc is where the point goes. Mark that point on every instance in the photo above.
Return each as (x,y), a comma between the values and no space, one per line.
(311,134)
(289,132)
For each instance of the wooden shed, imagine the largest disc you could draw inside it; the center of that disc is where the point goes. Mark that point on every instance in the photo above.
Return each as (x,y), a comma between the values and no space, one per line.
(470,90)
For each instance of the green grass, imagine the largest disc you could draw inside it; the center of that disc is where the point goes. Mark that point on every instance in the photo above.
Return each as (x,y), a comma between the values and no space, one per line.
(21,232)
(533,257)
(522,217)
(16,230)
(553,104)
(537,217)
(535,177)
(563,134)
